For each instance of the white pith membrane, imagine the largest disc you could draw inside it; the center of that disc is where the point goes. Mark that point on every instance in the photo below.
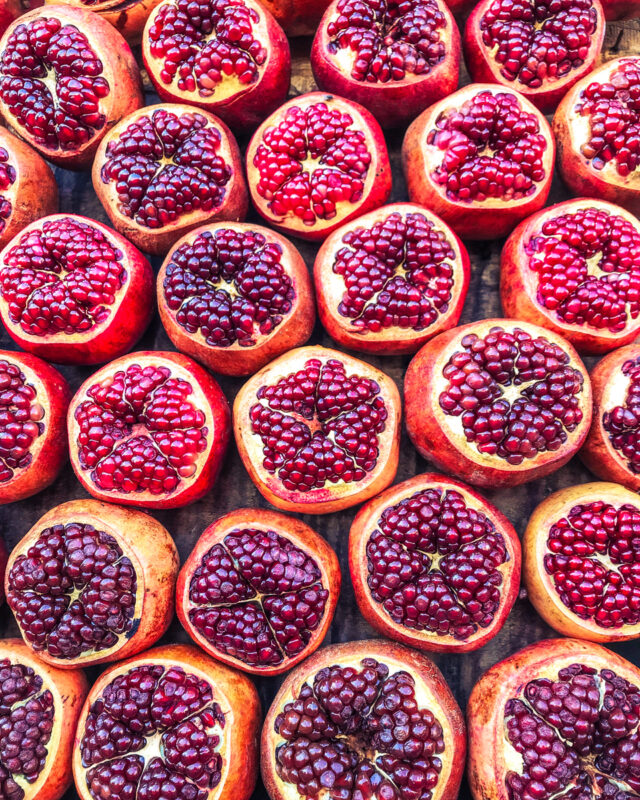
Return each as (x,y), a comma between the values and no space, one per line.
(615,394)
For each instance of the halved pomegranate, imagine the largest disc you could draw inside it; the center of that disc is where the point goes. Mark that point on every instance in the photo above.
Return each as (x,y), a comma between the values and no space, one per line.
(318,430)
(539,47)
(390,280)
(497,402)
(169,723)
(297,17)
(34,398)
(596,128)
(165,170)
(316,163)
(127,16)
(394,58)
(364,719)
(259,590)
(40,708)
(74,291)
(582,562)
(575,268)
(557,719)
(92,582)
(229,57)
(482,159)
(235,296)
(149,429)
(66,77)
(434,565)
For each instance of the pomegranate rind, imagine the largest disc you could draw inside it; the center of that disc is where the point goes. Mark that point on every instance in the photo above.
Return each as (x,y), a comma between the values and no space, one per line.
(154,556)
(366,522)
(127,16)
(235,694)
(431,689)
(620,9)
(302,536)
(394,339)
(9,10)
(297,17)
(439,439)
(492,218)
(333,496)
(207,397)
(294,330)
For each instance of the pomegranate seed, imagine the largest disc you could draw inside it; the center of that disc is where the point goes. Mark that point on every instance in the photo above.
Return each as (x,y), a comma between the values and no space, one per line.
(20,420)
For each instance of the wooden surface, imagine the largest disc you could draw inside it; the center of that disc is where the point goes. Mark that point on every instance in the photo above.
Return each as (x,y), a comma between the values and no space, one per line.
(234,488)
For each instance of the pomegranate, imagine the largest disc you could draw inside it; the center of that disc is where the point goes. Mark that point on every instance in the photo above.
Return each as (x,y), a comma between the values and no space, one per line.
(434,565)
(66,77)
(575,268)
(235,296)
(390,280)
(497,402)
(227,56)
(40,707)
(297,17)
(33,405)
(259,590)
(482,159)
(149,429)
(539,47)
(557,719)
(621,9)
(9,10)
(127,16)
(4,557)
(92,582)
(394,58)
(74,291)
(596,130)
(169,723)
(318,430)
(316,163)
(364,719)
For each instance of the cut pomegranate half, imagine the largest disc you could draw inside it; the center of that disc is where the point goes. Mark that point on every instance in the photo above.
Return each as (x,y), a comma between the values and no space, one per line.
(557,719)
(575,268)
(66,77)
(165,170)
(318,430)
(539,48)
(74,291)
(596,128)
(149,429)
(235,296)
(582,563)
(169,723)
(228,56)
(92,582)
(259,590)
(127,16)
(434,565)
(317,162)
(482,159)
(497,402)
(394,58)
(364,719)
(390,280)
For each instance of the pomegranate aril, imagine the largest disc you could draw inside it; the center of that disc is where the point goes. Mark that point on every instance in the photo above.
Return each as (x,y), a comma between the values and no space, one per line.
(7,179)
(21,420)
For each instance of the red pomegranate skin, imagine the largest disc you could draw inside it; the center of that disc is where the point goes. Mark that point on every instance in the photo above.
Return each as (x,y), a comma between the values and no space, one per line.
(9,10)
(297,17)
(128,17)
(621,9)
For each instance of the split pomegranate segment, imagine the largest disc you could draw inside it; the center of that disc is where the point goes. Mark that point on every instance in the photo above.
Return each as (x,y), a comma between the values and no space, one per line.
(318,430)
(149,429)
(165,170)
(596,128)
(395,58)
(235,296)
(482,159)
(259,590)
(434,565)
(316,163)
(229,57)
(539,47)
(391,279)
(557,719)
(127,16)
(92,582)
(66,77)
(74,291)
(364,719)
(497,402)
(169,723)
